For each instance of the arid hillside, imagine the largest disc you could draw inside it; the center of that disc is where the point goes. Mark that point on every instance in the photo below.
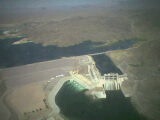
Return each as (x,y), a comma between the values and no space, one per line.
(73,24)
(143,69)
(78,29)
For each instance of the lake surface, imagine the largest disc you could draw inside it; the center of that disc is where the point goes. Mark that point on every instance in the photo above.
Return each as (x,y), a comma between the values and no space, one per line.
(21,54)
(75,105)
(105,64)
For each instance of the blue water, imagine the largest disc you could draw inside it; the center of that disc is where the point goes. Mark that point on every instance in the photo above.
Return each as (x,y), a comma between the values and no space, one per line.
(21,54)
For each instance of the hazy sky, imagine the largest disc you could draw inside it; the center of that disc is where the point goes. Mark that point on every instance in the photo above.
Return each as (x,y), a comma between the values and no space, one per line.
(53,3)
(47,3)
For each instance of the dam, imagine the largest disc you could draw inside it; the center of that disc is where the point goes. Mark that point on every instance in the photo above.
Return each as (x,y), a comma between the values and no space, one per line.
(71,87)
(91,81)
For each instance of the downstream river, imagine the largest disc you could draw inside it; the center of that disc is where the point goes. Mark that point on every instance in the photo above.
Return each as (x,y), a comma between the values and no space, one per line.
(75,105)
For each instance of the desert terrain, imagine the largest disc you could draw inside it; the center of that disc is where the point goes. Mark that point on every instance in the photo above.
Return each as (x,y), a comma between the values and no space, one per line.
(66,26)
(28,87)
(142,67)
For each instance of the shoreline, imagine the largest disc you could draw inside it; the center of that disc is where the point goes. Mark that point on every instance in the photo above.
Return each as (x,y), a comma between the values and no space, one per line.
(52,95)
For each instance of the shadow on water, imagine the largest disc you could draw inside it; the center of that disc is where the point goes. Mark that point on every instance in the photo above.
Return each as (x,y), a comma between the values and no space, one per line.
(105,64)
(76,106)
(20,54)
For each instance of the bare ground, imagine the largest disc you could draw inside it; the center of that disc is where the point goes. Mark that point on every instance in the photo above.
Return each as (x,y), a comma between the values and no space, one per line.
(27,85)
(143,69)
(27,98)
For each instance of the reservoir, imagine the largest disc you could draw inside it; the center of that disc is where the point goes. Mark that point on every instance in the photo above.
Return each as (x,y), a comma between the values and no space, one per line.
(27,53)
